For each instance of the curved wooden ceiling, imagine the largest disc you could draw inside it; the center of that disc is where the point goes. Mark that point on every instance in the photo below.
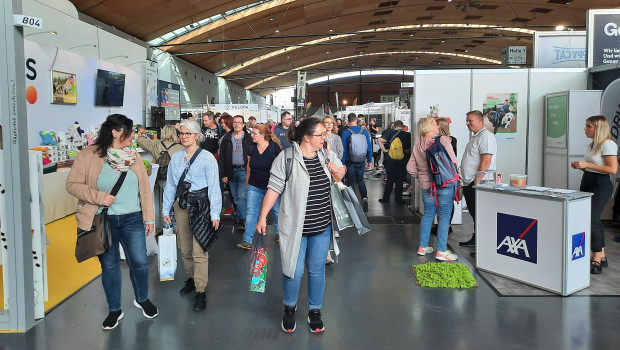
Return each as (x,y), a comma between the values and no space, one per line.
(261,47)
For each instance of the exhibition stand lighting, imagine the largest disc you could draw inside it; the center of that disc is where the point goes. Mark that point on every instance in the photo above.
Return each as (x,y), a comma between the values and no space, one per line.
(329,37)
(460,55)
(50,32)
(109,58)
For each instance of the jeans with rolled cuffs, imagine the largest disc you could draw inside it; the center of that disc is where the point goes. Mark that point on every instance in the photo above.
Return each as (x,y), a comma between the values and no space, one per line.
(312,255)
(128,230)
(254,200)
(239,193)
(445,197)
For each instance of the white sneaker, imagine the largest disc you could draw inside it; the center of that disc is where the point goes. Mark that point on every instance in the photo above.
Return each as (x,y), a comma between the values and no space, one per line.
(337,235)
(446,256)
(425,250)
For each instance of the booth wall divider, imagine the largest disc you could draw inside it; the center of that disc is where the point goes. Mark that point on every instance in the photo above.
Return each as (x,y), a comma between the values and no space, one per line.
(542,82)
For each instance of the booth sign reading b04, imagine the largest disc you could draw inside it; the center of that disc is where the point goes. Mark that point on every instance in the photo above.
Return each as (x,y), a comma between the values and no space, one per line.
(27,21)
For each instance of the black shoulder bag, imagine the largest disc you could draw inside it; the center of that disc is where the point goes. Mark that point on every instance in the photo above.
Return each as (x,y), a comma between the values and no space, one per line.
(184,186)
(98,239)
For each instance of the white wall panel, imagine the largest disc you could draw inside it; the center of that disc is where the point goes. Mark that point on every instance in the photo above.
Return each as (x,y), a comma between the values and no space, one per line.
(542,82)
(511,155)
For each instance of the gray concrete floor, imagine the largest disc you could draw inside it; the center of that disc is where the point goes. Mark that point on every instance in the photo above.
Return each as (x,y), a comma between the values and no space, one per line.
(371,302)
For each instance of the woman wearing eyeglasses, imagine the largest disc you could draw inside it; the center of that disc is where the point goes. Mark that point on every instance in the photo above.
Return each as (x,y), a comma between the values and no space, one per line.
(265,149)
(199,188)
(305,212)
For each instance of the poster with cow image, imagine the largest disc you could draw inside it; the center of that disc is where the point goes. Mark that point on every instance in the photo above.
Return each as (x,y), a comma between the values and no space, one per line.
(64,87)
(499,112)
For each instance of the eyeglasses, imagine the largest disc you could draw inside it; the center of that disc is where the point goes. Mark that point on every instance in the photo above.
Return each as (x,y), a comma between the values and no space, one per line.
(328,122)
(185,134)
(320,135)
(288,119)
(238,123)
(256,134)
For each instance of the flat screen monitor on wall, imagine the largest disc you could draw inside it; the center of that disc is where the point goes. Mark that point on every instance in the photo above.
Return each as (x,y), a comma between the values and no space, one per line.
(109,89)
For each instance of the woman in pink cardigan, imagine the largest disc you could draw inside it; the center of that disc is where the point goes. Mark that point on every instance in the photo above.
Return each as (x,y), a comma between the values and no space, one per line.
(418,168)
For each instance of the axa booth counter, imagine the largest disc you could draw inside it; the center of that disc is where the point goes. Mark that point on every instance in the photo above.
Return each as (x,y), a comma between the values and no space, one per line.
(538,236)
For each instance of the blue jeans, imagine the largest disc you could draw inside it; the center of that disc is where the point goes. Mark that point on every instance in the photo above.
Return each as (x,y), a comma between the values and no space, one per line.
(255,199)
(127,229)
(445,196)
(312,255)
(355,175)
(237,187)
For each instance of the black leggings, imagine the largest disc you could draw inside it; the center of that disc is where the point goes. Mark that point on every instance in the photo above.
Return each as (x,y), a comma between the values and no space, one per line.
(601,186)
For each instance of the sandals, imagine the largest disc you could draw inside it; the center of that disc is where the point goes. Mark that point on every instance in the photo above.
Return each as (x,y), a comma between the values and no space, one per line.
(595,267)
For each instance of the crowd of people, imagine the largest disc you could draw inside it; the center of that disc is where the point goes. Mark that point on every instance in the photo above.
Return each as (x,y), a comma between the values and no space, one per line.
(286,170)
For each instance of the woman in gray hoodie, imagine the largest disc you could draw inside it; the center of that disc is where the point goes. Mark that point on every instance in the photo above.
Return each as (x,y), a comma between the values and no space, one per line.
(305,216)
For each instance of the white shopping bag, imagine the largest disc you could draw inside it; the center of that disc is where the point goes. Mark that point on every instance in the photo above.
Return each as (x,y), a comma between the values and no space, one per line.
(167,256)
(151,245)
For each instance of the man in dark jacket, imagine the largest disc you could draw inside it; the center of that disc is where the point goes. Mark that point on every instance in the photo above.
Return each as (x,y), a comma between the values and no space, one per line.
(232,163)
(286,120)
(212,134)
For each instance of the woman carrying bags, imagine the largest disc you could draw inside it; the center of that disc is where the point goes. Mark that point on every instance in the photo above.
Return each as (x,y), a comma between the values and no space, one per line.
(441,201)
(193,183)
(600,161)
(265,149)
(306,214)
(95,172)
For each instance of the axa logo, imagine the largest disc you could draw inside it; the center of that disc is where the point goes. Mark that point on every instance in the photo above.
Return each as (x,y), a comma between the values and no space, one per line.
(517,237)
(579,246)
(611,29)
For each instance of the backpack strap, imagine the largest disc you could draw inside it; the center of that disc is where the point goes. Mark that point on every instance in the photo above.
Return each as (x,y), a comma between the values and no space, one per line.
(394,137)
(361,132)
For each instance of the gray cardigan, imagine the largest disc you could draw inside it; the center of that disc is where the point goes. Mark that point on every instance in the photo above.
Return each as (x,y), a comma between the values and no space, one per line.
(336,142)
(293,201)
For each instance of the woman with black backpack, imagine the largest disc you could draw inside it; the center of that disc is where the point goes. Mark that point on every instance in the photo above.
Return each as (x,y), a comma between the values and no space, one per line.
(162,150)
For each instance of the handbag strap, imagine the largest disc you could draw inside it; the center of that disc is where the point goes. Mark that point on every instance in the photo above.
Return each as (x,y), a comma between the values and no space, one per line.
(188,165)
(116,188)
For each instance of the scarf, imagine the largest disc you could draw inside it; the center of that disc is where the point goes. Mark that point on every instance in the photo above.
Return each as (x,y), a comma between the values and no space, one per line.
(121,159)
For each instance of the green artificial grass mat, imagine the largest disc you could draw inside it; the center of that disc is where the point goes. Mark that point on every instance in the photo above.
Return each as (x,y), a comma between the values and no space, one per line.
(443,275)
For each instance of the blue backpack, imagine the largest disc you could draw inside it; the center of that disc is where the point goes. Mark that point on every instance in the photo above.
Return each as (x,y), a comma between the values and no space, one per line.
(441,170)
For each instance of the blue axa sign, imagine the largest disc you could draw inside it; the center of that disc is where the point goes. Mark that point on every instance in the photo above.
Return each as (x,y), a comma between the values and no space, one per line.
(517,237)
(579,246)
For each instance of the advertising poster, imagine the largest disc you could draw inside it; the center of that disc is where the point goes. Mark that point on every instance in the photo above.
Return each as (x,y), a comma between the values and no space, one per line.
(64,87)
(151,85)
(603,37)
(500,115)
(556,122)
(169,97)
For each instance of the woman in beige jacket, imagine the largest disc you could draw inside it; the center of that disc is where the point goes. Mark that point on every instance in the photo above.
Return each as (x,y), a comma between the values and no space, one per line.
(95,171)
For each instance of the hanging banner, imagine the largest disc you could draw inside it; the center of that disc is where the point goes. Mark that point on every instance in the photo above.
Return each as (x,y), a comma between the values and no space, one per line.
(301,86)
(151,87)
(603,37)
(554,49)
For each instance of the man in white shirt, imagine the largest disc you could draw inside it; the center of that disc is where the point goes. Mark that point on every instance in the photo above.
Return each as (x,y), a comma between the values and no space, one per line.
(480,154)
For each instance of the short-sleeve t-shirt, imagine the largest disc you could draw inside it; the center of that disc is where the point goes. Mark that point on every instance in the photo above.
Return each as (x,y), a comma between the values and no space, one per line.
(260,164)
(609,148)
(481,143)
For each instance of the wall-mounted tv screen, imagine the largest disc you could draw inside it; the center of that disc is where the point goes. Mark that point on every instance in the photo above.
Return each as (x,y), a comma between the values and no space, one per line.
(109,89)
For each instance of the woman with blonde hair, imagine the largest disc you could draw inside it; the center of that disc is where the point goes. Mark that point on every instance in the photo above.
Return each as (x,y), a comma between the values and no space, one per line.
(265,149)
(600,161)
(333,140)
(441,201)
(444,129)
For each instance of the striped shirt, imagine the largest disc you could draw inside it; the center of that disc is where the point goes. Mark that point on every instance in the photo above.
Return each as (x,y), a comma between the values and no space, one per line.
(318,209)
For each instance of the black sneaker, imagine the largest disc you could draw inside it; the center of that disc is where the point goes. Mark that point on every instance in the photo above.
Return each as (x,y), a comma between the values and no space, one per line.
(277,239)
(288,321)
(365,204)
(470,243)
(148,309)
(112,320)
(604,262)
(188,287)
(240,225)
(200,301)
(314,319)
